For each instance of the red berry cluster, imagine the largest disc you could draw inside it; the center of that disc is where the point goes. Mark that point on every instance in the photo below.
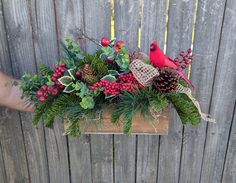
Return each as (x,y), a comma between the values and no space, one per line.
(45,91)
(126,82)
(117,46)
(185,60)
(59,71)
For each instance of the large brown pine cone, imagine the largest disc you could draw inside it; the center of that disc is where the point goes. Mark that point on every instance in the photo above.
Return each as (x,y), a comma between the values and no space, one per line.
(167,81)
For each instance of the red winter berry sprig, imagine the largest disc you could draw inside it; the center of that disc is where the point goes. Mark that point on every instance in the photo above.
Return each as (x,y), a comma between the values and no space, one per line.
(126,82)
(185,60)
(46,91)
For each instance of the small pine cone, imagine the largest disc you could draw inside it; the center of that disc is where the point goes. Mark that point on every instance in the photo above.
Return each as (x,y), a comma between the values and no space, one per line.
(90,79)
(87,70)
(167,81)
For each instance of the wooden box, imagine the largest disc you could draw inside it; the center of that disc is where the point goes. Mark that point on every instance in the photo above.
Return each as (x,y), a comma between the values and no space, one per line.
(140,125)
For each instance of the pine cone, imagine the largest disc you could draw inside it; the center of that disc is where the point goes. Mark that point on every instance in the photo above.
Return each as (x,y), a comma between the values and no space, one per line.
(87,70)
(167,81)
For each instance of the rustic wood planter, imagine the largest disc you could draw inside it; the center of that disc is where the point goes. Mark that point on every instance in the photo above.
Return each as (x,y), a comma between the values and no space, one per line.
(140,125)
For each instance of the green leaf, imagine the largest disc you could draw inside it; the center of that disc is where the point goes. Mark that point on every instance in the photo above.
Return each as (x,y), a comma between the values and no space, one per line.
(70,88)
(109,78)
(107,96)
(65,80)
(113,72)
(77,86)
(87,103)
(72,73)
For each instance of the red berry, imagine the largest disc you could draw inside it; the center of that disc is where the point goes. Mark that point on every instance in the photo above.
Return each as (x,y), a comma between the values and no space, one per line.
(186,59)
(105,41)
(54,91)
(119,44)
(181,53)
(50,88)
(189,51)
(109,60)
(55,75)
(53,79)
(183,66)
(63,65)
(190,57)
(117,50)
(46,95)
(176,60)
(39,93)
(58,83)
(62,87)
(44,87)
(42,99)
(78,74)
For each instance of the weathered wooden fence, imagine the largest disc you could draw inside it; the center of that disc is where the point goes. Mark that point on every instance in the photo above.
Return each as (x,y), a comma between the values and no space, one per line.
(30,32)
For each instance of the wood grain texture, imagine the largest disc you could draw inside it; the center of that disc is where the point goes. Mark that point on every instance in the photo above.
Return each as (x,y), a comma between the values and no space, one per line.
(46,52)
(223,100)
(153,23)
(207,30)
(153,26)
(127,22)
(229,174)
(180,27)
(17,24)
(102,158)
(124,158)
(126,29)
(69,20)
(3,175)
(97,17)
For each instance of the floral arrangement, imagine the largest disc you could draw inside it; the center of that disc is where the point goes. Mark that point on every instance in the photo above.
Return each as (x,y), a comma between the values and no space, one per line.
(81,86)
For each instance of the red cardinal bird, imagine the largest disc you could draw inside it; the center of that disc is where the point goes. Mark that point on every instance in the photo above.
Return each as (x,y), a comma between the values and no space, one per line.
(160,60)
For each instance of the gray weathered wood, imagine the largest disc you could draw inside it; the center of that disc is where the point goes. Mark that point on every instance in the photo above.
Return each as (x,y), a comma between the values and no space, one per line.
(80,160)
(124,158)
(147,158)
(97,21)
(127,22)
(153,23)
(69,20)
(97,17)
(180,26)
(223,100)
(230,162)
(153,26)
(3,176)
(46,51)
(102,158)
(206,41)
(125,146)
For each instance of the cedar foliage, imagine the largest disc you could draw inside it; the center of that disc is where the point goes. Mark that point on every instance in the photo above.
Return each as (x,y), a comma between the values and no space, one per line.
(130,103)
(185,108)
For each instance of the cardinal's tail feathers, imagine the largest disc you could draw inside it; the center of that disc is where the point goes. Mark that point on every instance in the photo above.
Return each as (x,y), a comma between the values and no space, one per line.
(182,75)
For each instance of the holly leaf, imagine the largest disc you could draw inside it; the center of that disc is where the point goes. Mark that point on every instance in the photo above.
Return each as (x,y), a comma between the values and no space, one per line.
(109,78)
(77,86)
(70,88)
(107,96)
(72,72)
(113,72)
(65,80)
(87,103)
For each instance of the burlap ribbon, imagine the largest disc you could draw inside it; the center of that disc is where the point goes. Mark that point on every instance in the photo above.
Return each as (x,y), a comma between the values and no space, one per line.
(187,91)
(145,73)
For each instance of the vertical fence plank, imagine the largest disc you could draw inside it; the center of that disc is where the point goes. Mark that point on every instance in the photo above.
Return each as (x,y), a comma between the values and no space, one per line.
(180,26)
(229,174)
(3,176)
(97,16)
(153,26)
(153,23)
(127,22)
(46,51)
(69,20)
(125,146)
(206,41)
(223,100)
(18,29)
